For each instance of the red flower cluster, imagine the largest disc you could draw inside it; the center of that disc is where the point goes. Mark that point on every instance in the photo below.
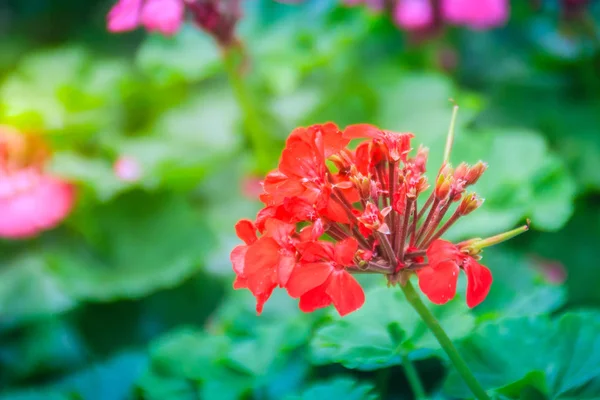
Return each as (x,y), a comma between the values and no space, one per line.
(331,212)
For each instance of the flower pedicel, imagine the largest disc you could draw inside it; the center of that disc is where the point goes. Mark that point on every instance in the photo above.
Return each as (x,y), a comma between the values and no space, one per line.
(370,202)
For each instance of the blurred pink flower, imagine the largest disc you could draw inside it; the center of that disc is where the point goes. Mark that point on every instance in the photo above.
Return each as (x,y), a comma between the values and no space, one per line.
(252,186)
(127,169)
(31,200)
(413,14)
(164,16)
(476,14)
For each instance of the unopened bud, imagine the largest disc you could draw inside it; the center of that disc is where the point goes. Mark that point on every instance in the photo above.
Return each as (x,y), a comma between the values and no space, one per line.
(442,186)
(460,173)
(475,172)
(469,203)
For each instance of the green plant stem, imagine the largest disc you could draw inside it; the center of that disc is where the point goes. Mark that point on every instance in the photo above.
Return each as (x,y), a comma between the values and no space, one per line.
(461,366)
(413,378)
(256,133)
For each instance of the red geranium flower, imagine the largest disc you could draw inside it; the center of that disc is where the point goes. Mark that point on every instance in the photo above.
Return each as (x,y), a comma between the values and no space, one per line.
(365,201)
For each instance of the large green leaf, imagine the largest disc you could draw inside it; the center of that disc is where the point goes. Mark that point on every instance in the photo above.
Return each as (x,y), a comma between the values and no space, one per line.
(31,289)
(110,380)
(376,335)
(133,246)
(560,358)
(78,98)
(338,388)
(190,55)
(48,346)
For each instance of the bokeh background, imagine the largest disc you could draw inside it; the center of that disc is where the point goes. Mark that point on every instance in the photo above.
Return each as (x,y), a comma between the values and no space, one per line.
(130,297)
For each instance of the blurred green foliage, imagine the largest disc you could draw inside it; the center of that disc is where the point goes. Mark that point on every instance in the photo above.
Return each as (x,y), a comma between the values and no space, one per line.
(131,298)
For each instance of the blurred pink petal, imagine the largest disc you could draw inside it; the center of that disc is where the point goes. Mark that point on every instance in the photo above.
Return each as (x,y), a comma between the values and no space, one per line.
(124,16)
(252,187)
(476,14)
(31,202)
(128,169)
(413,14)
(164,16)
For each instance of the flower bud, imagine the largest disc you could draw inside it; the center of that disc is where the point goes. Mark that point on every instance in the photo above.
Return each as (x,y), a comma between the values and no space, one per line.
(475,172)
(460,173)
(469,203)
(442,186)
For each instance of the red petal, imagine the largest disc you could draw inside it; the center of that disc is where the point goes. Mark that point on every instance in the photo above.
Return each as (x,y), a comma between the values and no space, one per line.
(240,283)
(439,283)
(280,186)
(284,268)
(345,250)
(479,281)
(345,292)
(246,231)
(307,277)
(300,161)
(441,250)
(260,266)
(261,299)
(333,139)
(315,299)
(317,229)
(335,212)
(362,131)
(237,258)
(318,251)
(280,231)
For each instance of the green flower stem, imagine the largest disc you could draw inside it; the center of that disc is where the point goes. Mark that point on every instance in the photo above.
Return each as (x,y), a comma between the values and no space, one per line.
(461,366)
(413,378)
(257,134)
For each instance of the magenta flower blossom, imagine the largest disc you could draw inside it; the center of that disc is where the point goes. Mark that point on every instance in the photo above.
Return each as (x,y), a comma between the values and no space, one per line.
(127,169)
(31,200)
(476,14)
(164,16)
(413,14)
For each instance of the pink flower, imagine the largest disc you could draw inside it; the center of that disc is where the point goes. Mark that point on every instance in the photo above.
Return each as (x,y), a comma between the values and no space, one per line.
(413,14)
(31,202)
(476,14)
(127,169)
(164,16)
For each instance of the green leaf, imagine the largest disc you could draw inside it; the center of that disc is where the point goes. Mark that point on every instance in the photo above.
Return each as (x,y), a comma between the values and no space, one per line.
(132,247)
(94,174)
(77,99)
(110,380)
(338,388)
(559,358)
(31,289)
(523,180)
(376,335)
(190,55)
(419,103)
(48,346)
(193,356)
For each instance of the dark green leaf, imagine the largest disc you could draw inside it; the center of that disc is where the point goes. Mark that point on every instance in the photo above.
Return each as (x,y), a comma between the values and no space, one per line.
(377,334)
